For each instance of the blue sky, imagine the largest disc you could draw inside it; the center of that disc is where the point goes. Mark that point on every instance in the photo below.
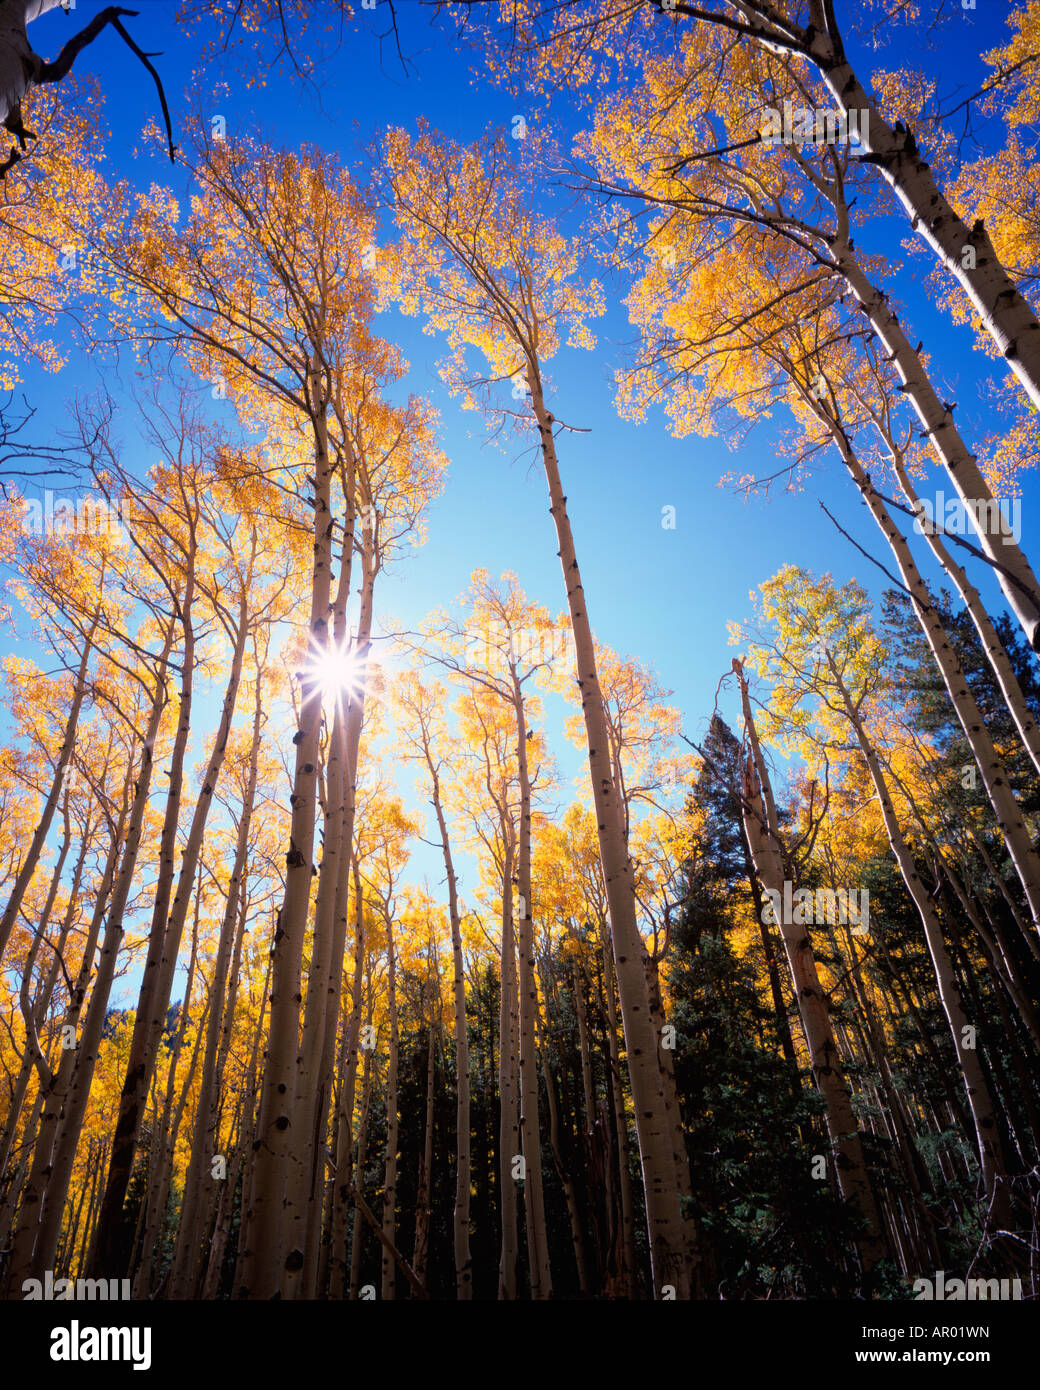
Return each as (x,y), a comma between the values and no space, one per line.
(663,596)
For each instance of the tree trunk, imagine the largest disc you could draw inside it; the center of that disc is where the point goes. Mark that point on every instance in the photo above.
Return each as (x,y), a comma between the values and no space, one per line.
(1016,577)
(37,1241)
(392,1122)
(204,1141)
(669,1241)
(995,779)
(508,1129)
(30,862)
(265,1254)
(991,1158)
(527,990)
(344,1176)
(463,1259)
(761,826)
(164,942)
(1005,313)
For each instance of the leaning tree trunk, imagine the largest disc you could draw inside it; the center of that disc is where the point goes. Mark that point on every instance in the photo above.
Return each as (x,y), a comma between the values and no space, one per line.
(55,1153)
(1013,571)
(163,948)
(966,253)
(995,779)
(39,1005)
(39,839)
(980,1102)
(760,823)
(996,652)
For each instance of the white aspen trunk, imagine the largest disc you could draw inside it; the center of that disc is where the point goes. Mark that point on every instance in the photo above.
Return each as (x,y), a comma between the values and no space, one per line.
(187,1252)
(36,1011)
(39,839)
(1016,577)
(19,64)
(762,828)
(265,1254)
(75,1073)
(392,1122)
(164,946)
(316,1074)
(304,1180)
(682,1161)
(509,1145)
(980,1102)
(996,653)
(966,253)
(463,1259)
(669,1239)
(1001,962)
(527,991)
(995,779)
(250,1125)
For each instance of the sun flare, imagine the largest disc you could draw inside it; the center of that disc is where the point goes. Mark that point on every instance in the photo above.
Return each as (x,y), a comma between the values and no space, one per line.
(338,671)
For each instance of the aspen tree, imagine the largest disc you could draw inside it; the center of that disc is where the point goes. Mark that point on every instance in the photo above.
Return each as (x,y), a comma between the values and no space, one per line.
(421,726)
(568,39)
(774,869)
(490,274)
(843,636)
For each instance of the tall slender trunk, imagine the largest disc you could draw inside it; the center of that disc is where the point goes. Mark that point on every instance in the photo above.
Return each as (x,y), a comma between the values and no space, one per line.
(1005,312)
(762,828)
(325,982)
(669,1238)
(31,861)
(187,1253)
(342,1204)
(164,941)
(37,1241)
(463,1259)
(42,1000)
(563,1170)
(629,1271)
(995,779)
(264,1254)
(992,646)
(392,1123)
(980,1102)
(508,1126)
(1013,571)
(164,1138)
(424,1179)
(527,992)
(356,1227)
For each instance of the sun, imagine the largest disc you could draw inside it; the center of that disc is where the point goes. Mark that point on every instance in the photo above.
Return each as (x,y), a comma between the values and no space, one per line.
(337,670)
